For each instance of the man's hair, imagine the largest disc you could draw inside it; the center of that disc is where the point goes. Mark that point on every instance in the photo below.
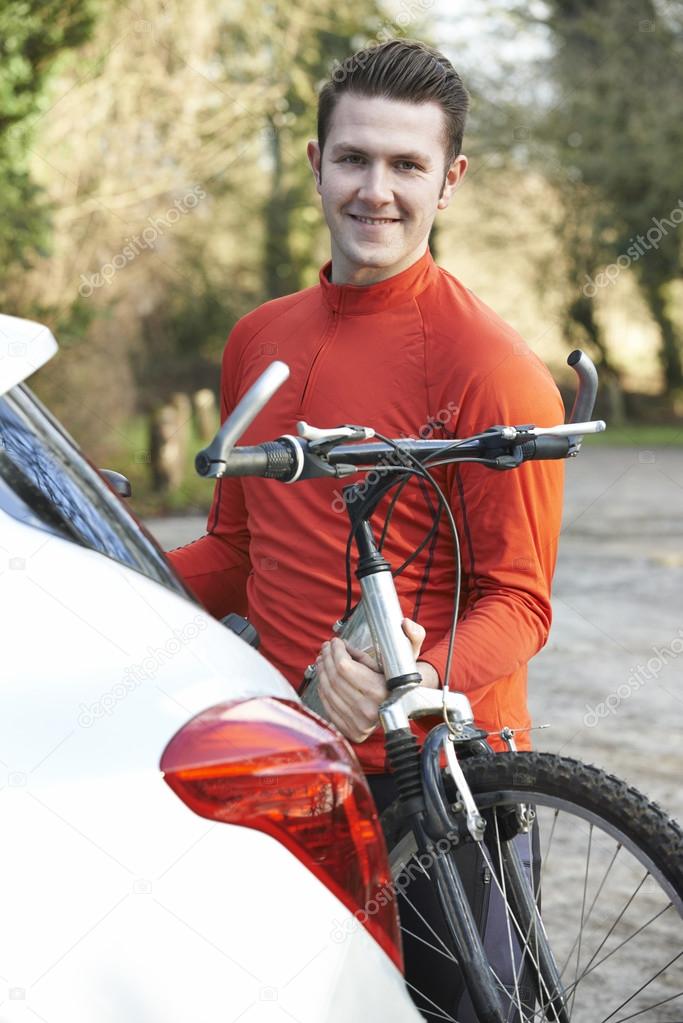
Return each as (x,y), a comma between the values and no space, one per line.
(401,69)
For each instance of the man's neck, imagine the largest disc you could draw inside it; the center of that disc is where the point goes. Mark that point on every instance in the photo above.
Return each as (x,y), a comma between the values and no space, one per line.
(344,272)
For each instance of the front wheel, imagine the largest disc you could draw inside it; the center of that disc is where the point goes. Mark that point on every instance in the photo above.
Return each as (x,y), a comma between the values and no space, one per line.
(611,879)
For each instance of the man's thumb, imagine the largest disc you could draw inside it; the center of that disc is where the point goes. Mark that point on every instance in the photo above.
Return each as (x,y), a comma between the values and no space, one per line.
(415,633)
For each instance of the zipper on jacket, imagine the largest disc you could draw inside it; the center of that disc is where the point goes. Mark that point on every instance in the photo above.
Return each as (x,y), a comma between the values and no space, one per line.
(317,358)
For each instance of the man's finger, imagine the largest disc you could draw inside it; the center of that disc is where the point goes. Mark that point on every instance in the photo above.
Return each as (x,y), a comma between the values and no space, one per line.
(340,715)
(337,694)
(359,677)
(346,723)
(363,657)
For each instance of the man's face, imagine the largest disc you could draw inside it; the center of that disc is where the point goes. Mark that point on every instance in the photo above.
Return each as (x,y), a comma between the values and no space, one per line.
(381,180)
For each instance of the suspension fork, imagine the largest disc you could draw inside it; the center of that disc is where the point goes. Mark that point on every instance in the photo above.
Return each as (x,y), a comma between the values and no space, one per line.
(510,872)
(405,760)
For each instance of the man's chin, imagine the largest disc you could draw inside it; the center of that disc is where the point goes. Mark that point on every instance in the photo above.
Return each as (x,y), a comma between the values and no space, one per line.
(374,255)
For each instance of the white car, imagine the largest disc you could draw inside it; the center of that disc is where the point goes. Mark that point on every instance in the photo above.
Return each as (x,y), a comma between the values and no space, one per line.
(179,839)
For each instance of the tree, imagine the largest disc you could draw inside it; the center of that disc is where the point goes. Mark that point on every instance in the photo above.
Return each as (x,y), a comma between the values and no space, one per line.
(172,100)
(617,77)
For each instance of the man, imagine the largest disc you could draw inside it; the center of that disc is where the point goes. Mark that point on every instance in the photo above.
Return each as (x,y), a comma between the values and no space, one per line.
(387,339)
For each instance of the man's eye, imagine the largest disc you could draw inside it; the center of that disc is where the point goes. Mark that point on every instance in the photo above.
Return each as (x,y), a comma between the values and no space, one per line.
(352,157)
(408,165)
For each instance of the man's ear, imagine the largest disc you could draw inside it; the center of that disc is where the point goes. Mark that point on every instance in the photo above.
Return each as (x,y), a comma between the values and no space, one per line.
(314,158)
(454,178)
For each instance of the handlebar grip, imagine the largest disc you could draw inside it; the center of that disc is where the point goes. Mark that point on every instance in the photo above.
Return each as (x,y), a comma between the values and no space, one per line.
(546,447)
(274,459)
(280,460)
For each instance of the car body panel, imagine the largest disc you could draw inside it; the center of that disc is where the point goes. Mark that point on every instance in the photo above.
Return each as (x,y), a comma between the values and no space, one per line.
(25,346)
(123,905)
(118,901)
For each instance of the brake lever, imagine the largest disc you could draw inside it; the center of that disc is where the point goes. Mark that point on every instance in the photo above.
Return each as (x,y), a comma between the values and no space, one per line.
(323,440)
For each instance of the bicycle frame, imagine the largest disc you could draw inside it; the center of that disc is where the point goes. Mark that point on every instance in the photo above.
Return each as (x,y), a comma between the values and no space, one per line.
(376,625)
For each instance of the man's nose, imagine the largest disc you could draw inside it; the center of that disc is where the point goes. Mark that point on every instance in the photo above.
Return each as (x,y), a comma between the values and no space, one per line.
(376,186)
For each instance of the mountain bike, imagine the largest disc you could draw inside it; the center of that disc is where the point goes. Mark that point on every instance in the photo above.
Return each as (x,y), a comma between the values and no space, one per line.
(584,874)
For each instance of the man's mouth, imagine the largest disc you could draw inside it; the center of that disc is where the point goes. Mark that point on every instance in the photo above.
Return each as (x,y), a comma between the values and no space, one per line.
(374,220)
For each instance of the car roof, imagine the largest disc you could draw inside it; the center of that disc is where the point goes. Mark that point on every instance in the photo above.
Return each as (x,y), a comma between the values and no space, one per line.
(25,346)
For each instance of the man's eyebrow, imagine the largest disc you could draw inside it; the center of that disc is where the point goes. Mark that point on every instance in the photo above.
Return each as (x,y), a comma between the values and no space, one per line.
(349,147)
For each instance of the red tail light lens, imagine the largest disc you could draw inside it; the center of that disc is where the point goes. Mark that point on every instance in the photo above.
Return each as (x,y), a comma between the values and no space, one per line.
(270,765)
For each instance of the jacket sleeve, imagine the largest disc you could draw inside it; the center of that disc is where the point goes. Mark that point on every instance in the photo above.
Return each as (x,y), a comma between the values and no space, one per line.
(216,567)
(509,524)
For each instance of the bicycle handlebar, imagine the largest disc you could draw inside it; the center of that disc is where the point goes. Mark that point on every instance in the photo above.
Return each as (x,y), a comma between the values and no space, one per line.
(292,458)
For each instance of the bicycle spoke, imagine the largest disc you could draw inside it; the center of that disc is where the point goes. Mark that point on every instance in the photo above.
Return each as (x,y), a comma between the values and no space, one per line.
(536,1014)
(583,916)
(433,1012)
(611,930)
(443,1014)
(532,923)
(641,988)
(546,856)
(507,917)
(524,943)
(649,1007)
(570,991)
(572,988)
(447,952)
(593,890)
(592,905)
(621,944)
(537,894)
(424,941)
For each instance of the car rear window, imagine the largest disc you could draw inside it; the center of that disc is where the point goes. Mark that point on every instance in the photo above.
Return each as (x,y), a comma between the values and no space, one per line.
(46,481)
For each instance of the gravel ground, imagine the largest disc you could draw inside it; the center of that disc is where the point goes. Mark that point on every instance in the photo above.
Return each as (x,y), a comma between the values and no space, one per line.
(609,679)
(609,696)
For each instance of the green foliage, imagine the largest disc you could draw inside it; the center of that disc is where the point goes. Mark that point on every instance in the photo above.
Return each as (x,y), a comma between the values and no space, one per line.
(33,34)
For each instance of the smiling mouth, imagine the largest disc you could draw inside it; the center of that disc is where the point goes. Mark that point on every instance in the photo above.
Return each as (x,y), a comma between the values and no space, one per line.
(374,220)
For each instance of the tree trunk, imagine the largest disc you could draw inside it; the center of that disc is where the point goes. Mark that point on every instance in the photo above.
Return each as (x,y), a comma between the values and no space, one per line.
(280,272)
(670,351)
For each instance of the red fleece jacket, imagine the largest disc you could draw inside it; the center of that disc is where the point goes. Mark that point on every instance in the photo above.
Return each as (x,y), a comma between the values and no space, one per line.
(418,355)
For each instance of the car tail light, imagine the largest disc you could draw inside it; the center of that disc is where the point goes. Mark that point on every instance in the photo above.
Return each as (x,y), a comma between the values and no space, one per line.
(271,765)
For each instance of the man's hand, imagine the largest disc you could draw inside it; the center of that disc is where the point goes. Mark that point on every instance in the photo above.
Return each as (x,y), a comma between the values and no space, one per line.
(352,688)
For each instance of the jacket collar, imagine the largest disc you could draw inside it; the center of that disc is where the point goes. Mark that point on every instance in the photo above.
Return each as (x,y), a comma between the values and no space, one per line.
(359,300)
